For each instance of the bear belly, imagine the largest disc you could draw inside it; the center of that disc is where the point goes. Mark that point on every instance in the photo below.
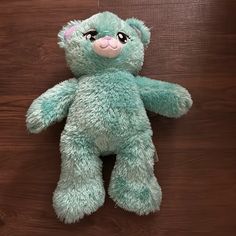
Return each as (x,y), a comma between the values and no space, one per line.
(108,109)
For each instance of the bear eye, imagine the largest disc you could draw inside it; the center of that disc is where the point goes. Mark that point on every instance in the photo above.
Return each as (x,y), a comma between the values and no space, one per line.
(90,35)
(122,37)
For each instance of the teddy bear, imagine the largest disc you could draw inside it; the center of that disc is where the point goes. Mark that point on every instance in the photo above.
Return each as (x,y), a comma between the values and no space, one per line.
(105,105)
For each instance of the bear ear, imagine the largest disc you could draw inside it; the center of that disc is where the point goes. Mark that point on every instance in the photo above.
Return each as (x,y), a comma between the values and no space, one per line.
(142,30)
(66,32)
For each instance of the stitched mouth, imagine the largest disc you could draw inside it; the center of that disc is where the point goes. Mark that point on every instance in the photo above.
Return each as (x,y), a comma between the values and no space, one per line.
(108,46)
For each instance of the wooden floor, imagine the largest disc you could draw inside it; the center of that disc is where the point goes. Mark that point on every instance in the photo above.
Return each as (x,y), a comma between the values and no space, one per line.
(194,44)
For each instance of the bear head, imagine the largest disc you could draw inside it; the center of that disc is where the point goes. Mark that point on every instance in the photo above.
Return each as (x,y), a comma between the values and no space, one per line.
(104,42)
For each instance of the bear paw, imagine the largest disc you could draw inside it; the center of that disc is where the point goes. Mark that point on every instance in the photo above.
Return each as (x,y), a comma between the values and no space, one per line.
(71,204)
(141,198)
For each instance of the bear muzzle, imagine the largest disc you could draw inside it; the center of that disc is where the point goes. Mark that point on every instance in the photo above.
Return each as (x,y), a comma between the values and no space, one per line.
(107,47)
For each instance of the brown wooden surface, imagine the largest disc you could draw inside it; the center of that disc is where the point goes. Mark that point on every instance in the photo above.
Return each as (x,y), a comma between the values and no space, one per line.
(194,44)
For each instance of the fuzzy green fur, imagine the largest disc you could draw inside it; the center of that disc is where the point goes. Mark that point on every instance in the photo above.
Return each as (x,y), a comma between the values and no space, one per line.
(105,109)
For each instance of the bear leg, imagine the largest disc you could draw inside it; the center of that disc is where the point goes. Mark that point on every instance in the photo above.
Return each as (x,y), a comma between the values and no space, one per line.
(133,185)
(80,189)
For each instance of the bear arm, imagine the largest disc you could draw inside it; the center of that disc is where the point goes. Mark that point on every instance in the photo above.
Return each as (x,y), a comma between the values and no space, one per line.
(51,106)
(167,99)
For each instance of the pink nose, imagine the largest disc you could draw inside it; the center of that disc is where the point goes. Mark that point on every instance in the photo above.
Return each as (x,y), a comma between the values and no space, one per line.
(108,37)
(107,47)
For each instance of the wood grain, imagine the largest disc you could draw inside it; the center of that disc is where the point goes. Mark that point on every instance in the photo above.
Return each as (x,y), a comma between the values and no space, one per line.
(194,44)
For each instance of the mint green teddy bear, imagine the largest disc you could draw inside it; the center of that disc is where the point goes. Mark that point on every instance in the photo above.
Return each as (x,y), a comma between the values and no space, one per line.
(105,108)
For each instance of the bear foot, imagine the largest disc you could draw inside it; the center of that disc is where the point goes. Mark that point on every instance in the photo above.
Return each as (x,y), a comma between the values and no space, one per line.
(71,204)
(141,198)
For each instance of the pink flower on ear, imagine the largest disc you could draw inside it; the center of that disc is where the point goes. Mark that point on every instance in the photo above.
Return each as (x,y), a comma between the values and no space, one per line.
(68,32)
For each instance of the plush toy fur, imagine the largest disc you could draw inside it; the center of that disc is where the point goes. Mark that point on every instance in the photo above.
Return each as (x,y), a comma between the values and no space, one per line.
(105,109)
